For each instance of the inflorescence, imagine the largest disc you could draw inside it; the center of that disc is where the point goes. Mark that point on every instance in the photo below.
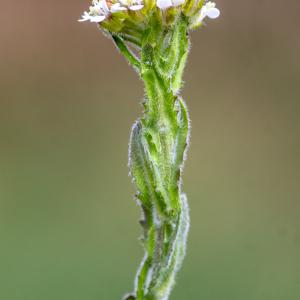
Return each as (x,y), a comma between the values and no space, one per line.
(121,16)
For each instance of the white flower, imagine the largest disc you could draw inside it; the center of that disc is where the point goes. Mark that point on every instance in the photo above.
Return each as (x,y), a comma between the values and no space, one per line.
(100,11)
(117,7)
(132,4)
(164,4)
(209,10)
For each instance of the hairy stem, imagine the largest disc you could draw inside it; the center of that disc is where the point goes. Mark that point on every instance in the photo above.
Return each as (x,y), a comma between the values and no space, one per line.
(131,58)
(157,148)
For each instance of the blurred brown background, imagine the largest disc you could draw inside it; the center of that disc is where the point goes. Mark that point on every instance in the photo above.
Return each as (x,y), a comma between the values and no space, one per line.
(68,224)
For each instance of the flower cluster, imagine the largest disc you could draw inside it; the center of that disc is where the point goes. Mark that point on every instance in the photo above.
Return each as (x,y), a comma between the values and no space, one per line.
(102,9)
(116,11)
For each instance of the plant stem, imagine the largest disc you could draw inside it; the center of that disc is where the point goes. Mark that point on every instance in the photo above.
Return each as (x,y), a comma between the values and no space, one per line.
(157,148)
(131,58)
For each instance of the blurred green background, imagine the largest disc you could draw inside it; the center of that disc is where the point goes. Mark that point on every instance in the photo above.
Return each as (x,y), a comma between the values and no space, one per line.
(68,225)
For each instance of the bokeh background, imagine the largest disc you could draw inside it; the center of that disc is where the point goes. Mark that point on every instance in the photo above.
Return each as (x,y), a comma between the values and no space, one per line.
(68,225)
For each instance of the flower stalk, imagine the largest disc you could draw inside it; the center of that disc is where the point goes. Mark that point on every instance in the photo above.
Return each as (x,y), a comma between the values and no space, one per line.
(153,37)
(157,148)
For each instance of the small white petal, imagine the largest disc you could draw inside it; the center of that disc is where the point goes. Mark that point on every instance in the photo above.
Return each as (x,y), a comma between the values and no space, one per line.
(178,2)
(117,7)
(213,13)
(84,17)
(97,19)
(136,7)
(164,4)
(103,6)
(210,4)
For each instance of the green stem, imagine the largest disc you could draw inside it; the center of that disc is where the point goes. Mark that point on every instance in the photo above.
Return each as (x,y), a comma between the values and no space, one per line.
(157,146)
(131,58)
